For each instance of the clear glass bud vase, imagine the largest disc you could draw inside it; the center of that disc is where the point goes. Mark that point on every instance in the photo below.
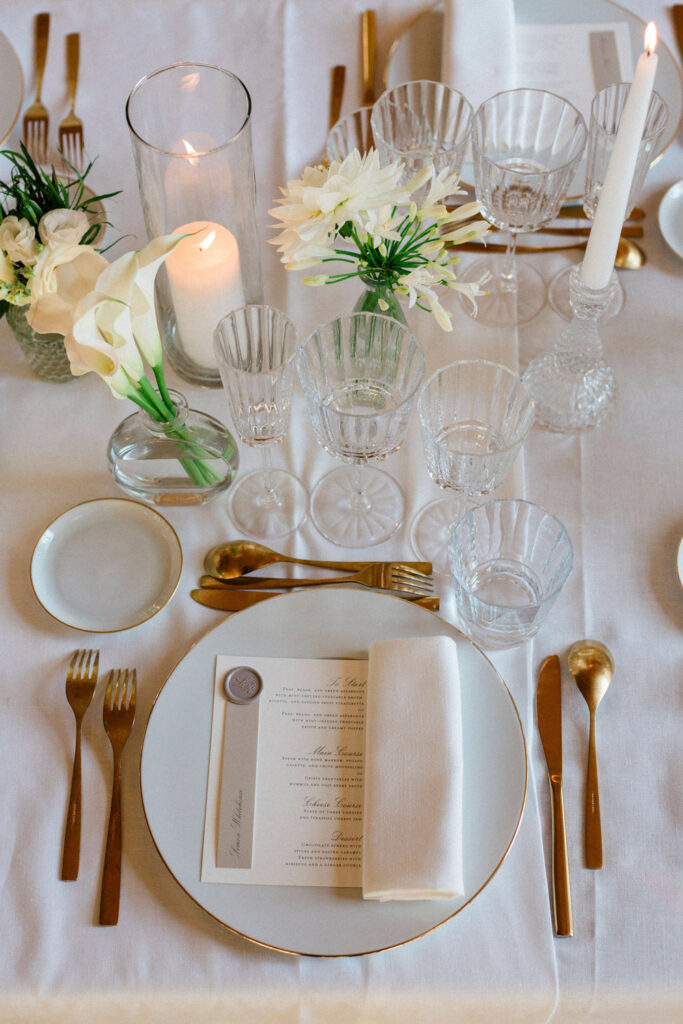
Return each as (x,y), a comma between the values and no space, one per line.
(379,297)
(188,461)
(572,386)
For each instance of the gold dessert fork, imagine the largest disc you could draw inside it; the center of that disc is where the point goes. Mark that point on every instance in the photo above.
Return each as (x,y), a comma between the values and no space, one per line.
(81,680)
(71,128)
(118,715)
(36,120)
(379,575)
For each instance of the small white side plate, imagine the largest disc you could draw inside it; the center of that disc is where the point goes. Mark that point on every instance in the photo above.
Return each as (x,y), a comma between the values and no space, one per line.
(106,565)
(671,218)
(679,562)
(11,88)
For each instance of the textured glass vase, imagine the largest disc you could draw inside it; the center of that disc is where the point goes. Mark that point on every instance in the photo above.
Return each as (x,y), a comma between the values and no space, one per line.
(45,353)
(188,461)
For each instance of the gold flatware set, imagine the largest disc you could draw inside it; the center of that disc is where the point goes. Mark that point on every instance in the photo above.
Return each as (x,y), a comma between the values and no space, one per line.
(592,667)
(118,715)
(37,118)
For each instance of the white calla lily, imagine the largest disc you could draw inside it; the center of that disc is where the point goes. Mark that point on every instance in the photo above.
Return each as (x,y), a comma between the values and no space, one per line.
(101,341)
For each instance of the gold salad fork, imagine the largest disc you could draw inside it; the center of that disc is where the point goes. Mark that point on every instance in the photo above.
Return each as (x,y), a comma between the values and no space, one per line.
(71,128)
(118,715)
(81,680)
(380,575)
(36,120)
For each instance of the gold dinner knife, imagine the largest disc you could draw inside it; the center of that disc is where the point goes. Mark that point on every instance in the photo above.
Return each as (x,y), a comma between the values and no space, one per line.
(549,715)
(368,33)
(237,600)
(678,25)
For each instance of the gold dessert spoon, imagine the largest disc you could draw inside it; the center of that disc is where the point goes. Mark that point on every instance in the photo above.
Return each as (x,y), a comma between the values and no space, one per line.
(239,557)
(592,666)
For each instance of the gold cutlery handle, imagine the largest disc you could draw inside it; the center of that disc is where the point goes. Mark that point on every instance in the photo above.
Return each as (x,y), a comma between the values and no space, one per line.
(368,34)
(73,50)
(593,826)
(562,897)
(72,833)
(337,93)
(111,873)
(42,35)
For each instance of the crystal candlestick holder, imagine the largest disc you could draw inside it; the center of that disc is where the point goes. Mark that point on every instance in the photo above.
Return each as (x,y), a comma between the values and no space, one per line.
(572,387)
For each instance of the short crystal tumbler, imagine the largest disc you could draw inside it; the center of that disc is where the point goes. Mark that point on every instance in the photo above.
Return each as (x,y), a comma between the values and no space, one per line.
(351,132)
(509,559)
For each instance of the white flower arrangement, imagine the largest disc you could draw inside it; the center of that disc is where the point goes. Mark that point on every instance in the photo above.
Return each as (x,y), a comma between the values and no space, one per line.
(356,212)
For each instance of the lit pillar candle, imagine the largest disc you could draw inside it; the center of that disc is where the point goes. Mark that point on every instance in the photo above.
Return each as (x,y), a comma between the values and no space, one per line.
(601,250)
(206,284)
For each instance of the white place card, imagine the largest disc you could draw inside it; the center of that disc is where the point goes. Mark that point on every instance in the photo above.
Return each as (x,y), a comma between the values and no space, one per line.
(308,804)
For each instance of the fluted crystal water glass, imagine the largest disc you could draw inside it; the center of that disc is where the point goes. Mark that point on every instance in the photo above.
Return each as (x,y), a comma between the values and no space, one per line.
(526,145)
(361,374)
(256,349)
(354,131)
(420,123)
(475,416)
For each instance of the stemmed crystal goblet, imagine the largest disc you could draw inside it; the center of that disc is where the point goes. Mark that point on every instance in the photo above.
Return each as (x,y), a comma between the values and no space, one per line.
(360,374)
(526,144)
(256,349)
(475,416)
(606,110)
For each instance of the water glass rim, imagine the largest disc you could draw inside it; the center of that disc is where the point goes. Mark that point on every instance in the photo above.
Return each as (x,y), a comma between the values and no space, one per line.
(286,323)
(580,123)
(562,533)
(173,67)
(663,113)
(443,87)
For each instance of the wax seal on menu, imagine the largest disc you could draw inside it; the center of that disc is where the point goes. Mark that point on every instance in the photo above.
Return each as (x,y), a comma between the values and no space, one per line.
(242,685)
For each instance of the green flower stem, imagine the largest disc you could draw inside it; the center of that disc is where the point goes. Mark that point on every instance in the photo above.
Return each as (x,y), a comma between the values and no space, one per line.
(161,384)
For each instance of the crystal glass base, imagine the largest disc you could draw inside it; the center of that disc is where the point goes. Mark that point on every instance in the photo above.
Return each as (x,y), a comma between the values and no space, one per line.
(189,461)
(431,528)
(357,519)
(572,387)
(259,512)
(501,307)
(558,296)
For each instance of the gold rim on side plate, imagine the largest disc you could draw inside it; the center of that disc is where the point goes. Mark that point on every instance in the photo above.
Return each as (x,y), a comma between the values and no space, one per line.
(365,952)
(121,629)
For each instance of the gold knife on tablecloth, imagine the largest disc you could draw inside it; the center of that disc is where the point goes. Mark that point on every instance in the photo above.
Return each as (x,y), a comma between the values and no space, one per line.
(549,715)
(678,26)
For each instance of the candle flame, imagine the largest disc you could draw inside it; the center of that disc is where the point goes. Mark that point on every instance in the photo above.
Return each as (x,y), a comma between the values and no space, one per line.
(651,37)
(206,242)
(190,150)
(190,81)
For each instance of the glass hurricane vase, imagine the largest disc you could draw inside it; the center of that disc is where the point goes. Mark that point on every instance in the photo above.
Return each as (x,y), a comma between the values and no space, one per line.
(45,353)
(187,461)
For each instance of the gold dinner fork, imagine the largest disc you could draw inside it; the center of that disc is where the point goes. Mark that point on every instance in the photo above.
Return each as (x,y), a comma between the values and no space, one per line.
(118,716)
(71,128)
(81,680)
(36,120)
(379,575)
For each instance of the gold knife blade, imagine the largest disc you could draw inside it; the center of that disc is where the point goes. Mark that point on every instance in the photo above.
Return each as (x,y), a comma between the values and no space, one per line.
(337,93)
(238,600)
(678,26)
(549,716)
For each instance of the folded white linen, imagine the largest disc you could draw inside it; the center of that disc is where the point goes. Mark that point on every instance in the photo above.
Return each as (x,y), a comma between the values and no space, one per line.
(478,47)
(412,829)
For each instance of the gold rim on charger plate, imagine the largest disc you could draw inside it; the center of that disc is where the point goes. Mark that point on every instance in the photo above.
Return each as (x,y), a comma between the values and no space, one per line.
(4,139)
(660,46)
(121,629)
(380,949)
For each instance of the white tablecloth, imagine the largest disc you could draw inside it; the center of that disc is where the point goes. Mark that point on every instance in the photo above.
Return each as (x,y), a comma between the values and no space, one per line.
(619,490)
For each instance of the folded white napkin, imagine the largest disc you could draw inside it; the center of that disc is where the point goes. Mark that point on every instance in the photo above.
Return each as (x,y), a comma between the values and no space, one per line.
(478,47)
(412,829)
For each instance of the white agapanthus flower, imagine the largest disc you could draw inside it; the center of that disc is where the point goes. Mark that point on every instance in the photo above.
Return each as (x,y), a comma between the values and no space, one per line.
(357,213)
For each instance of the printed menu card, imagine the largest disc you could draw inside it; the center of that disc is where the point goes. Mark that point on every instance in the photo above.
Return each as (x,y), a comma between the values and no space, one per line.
(285,783)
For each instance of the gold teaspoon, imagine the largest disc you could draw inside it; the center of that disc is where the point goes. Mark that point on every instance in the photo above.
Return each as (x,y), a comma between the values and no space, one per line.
(592,666)
(239,557)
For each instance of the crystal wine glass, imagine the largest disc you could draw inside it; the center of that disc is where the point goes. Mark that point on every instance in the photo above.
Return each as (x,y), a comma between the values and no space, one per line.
(526,144)
(360,374)
(606,110)
(256,349)
(475,416)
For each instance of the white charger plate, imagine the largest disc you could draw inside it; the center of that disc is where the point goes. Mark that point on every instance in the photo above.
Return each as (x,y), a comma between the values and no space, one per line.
(106,565)
(11,88)
(670,217)
(332,622)
(416,54)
